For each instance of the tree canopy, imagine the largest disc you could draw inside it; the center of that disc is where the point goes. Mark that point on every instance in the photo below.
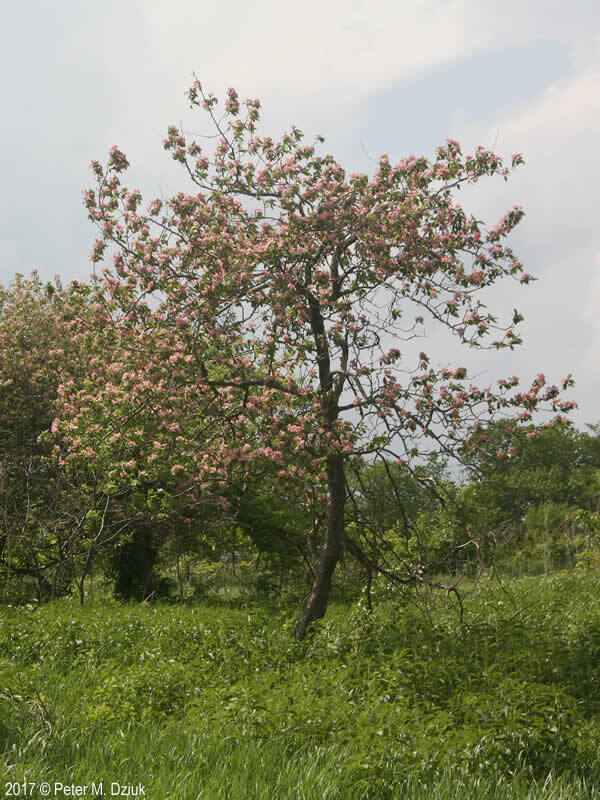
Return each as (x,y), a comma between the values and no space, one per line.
(271,318)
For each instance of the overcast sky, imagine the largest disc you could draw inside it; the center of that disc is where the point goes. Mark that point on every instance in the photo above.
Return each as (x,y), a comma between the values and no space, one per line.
(371,76)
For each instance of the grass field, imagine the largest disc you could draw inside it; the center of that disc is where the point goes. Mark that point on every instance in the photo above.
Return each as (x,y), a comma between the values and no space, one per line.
(216,700)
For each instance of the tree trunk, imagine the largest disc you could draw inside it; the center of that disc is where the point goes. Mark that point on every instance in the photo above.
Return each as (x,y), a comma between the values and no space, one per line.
(179,576)
(135,566)
(332,550)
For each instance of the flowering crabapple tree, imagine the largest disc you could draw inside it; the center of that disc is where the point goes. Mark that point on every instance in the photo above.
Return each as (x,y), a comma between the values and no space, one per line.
(126,439)
(58,516)
(312,288)
(46,529)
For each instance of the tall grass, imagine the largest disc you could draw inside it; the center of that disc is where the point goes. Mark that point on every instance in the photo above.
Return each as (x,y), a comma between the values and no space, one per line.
(216,700)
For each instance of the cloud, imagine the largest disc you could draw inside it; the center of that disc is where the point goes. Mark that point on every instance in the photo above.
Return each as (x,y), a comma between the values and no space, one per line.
(10,263)
(79,78)
(559,240)
(559,135)
(341,51)
(591,312)
(334,47)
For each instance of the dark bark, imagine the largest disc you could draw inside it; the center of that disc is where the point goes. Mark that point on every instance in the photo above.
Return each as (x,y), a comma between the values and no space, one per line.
(332,549)
(135,566)
(179,577)
(82,577)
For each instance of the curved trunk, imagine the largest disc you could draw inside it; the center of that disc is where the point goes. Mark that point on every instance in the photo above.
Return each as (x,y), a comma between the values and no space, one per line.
(332,549)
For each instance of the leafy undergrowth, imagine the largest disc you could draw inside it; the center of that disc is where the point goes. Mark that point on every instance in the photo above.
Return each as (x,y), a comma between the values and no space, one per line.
(217,701)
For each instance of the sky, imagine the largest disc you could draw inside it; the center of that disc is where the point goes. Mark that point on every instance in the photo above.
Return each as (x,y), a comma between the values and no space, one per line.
(372,77)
